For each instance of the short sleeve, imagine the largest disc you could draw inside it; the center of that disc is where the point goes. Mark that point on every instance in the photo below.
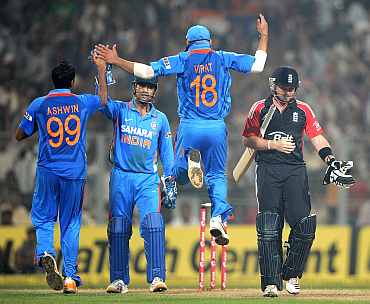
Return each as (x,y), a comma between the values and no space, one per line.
(168,65)
(312,127)
(28,123)
(165,146)
(111,109)
(238,62)
(252,123)
(91,102)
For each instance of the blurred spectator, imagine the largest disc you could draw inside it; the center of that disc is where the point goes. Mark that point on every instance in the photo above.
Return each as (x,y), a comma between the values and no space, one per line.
(328,42)
(6,215)
(25,255)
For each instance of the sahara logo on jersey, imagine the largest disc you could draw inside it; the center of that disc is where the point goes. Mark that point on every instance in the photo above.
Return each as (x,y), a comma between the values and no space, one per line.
(136,136)
(136,131)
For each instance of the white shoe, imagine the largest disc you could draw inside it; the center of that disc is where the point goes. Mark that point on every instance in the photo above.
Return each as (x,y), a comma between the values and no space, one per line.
(117,286)
(53,277)
(218,231)
(158,285)
(270,291)
(292,286)
(195,172)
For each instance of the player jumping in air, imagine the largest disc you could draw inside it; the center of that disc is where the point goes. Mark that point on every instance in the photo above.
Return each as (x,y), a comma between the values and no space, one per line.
(60,118)
(203,87)
(282,182)
(141,134)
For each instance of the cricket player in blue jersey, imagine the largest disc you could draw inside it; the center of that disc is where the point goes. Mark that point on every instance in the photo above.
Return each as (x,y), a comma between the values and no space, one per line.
(141,134)
(203,87)
(60,118)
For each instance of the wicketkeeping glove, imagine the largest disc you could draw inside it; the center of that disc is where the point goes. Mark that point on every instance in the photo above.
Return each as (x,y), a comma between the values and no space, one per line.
(338,173)
(169,193)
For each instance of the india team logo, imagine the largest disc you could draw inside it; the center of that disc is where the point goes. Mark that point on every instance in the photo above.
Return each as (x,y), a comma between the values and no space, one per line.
(154,125)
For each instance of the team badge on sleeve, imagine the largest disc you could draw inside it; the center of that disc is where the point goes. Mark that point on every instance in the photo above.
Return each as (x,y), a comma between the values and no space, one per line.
(28,116)
(166,62)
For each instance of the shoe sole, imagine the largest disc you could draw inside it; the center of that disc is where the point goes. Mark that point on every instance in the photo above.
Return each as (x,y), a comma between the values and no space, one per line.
(69,291)
(53,277)
(195,174)
(111,290)
(159,288)
(219,239)
(270,295)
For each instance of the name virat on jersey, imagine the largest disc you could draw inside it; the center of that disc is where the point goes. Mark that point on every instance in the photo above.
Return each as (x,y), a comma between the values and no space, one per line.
(201,68)
(136,136)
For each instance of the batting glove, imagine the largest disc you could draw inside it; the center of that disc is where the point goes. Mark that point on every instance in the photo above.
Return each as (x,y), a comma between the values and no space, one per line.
(338,173)
(169,193)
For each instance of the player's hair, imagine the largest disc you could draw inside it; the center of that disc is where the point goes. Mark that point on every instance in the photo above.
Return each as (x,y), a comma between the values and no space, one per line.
(63,75)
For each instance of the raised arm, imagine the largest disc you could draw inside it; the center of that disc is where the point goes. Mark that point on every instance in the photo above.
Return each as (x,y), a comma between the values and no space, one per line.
(261,53)
(110,55)
(103,90)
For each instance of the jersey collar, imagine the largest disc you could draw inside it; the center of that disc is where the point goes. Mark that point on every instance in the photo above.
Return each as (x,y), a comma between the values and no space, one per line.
(152,111)
(197,45)
(58,91)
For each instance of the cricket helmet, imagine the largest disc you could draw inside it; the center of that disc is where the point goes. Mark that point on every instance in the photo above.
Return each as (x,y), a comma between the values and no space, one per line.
(144,97)
(284,77)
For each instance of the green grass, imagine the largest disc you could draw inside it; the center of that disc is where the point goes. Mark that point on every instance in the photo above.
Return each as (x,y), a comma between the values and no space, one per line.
(177,296)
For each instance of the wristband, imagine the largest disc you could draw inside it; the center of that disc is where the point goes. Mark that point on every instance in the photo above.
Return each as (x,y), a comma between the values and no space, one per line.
(325,152)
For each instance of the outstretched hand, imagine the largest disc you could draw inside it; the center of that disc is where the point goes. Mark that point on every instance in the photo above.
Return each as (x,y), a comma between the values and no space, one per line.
(338,173)
(109,55)
(100,63)
(262,25)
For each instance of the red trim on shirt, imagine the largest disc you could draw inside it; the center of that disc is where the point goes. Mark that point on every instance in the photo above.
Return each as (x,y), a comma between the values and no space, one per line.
(201,51)
(312,127)
(252,123)
(59,95)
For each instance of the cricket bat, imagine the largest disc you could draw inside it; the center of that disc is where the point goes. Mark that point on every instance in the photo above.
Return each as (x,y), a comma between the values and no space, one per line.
(248,156)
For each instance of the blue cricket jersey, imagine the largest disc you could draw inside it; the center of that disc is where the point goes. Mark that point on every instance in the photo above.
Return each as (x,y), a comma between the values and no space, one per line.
(61,120)
(203,79)
(138,139)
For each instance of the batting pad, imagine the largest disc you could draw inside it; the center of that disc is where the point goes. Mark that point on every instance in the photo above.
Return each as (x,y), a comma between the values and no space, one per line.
(300,241)
(119,234)
(270,253)
(153,232)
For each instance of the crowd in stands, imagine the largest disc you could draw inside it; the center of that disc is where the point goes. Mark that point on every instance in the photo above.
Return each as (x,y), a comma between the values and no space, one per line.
(328,42)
